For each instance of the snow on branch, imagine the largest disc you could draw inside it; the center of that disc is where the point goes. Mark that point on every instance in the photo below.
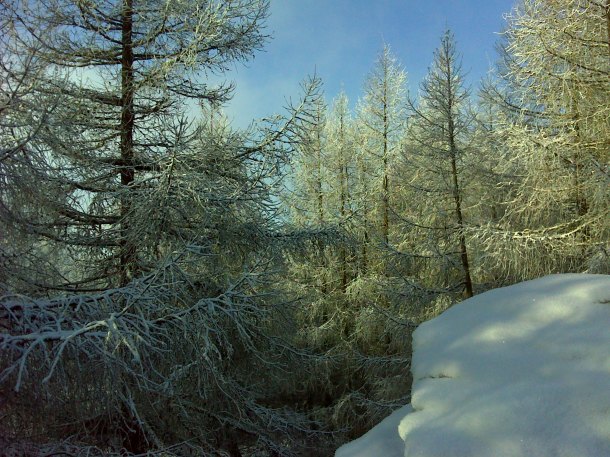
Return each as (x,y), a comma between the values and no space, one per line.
(152,343)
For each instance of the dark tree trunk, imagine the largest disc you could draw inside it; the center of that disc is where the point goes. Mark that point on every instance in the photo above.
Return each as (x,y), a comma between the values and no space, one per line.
(457,197)
(385,184)
(127,255)
(608,23)
(460,223)
(344,190)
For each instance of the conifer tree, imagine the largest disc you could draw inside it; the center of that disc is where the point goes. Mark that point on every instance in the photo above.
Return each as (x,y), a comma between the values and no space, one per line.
(382,115)
(126,72)
(553,93)
(353,388)
(439,137)
(341,152)
(153,327)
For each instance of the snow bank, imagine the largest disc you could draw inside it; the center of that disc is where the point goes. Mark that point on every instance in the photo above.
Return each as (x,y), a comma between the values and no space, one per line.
(381,441)
(515,372)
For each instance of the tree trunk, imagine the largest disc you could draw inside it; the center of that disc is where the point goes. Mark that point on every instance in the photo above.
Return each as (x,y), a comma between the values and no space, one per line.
(385,185)
(458,214)
(580,197)
(608,24)
(127,256)
(319,188)
(320,197)
(343,198)
(457,198)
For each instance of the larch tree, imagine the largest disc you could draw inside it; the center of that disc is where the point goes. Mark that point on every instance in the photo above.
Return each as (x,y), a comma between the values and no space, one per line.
(153,326)
(364,352)
(382,114)
(489,184)
(313,268)
(127,71)
(439,136)
(375,340)
(306,196)
(309,164)
(342,157)
(552,90)
(320,195)
(22,118)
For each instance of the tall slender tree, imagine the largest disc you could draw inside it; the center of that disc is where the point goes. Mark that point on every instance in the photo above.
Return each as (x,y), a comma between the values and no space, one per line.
(382,117)
(310,186)
(330,276)
(440,136)
(341,150)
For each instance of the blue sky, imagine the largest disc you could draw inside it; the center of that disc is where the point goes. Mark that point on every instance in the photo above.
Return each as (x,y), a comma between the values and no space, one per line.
(340,40)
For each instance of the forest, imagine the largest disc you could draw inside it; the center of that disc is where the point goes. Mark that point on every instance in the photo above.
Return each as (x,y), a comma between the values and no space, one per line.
(172,285)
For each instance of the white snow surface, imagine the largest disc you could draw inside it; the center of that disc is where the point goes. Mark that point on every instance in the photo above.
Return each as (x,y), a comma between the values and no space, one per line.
(519,371)
(381,441)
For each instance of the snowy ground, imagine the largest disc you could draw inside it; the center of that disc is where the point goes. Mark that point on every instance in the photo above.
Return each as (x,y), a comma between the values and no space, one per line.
(515,372)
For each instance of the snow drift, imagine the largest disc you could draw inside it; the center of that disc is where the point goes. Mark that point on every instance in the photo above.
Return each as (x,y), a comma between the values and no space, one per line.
(515,372)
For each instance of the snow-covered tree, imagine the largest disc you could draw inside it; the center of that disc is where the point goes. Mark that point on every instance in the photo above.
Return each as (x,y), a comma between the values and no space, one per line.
(487,188)
(128,73)
(155,366)
(382,114)
(553,93)
(154,327)
(342,167)
(364,350)
(310,188)
(434,171)
(22,119)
